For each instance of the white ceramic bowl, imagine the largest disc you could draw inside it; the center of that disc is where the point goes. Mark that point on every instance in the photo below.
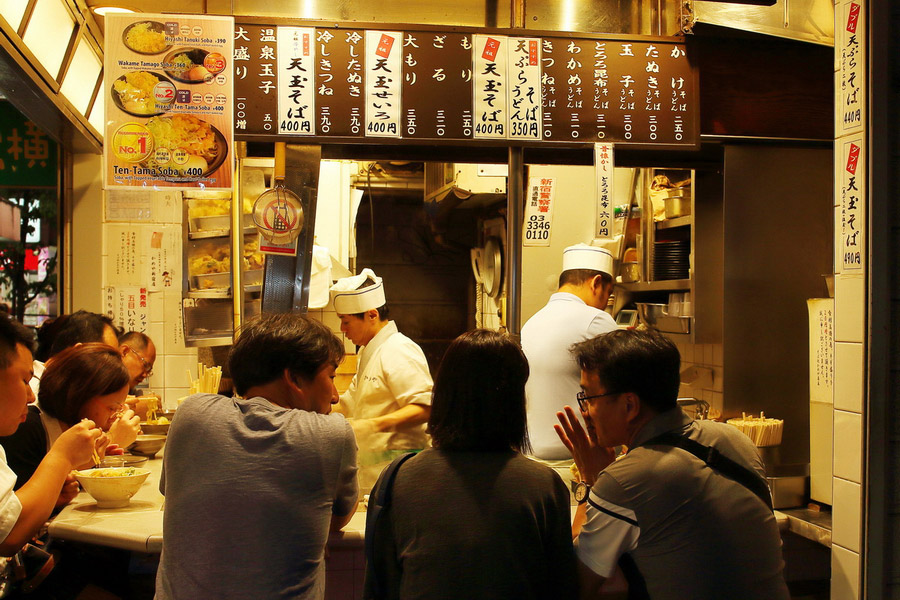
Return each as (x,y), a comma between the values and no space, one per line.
(148,445)
(115,489)
(155,428)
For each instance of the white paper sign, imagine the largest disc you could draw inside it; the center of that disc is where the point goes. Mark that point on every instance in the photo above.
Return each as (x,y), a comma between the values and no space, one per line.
(127,307)
(384,80)
(124,262)
(296,80)
(489,92)
(852,36)
(524,88)
(603,169)
(821,349)
(853,204)
(129,205)
(163,252)
(539,211)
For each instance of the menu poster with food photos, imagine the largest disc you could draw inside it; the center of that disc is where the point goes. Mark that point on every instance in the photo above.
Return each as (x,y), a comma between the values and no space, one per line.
(469,84)
(128,307)
(169,100)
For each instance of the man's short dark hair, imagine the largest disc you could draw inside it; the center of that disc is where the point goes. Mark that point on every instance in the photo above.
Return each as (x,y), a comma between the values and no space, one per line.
(382,313)
(579,276)
(135,339)
(81,327)
(272,343)
(11,333)
(479,395)
(643,362)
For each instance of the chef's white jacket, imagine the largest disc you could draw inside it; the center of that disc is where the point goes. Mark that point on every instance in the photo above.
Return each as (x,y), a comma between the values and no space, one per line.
(392,373)
(555,377)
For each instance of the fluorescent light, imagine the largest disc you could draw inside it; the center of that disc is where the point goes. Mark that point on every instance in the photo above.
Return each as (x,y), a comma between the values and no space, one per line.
(105,10)
(48,33)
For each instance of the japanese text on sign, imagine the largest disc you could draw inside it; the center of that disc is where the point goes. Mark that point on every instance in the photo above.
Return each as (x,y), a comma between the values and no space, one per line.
(539,211)
(852,207)
(603,168)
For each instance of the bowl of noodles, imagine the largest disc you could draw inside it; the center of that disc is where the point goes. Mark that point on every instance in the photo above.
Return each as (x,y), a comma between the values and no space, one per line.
(186,148)
(135,93)
(187,65)
(112,487)
(146,37)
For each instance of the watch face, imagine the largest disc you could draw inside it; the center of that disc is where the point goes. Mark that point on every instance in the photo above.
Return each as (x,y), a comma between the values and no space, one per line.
(581,492)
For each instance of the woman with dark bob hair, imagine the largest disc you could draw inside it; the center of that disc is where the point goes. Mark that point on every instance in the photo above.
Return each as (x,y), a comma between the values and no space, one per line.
(472,517)
(88,381)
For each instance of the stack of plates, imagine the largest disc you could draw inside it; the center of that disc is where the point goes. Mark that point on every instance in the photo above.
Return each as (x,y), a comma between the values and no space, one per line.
(671,259)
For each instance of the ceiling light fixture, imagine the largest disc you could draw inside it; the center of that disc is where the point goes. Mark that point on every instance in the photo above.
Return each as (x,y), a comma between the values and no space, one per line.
(105,10)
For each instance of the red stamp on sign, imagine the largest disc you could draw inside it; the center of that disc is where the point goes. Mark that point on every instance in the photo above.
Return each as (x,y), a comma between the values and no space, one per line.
(853,17)
(384,46)
(490,49)
(305,44)
(533,53)
(852,159)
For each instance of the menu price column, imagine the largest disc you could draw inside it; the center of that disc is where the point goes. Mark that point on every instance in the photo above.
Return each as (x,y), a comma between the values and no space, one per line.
(255,79)
(384,79)
(490,65)
(524,88)
(296,81)
(437,85)
(340,100)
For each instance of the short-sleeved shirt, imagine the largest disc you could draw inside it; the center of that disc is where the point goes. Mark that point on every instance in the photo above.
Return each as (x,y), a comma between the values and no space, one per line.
(478,526)
(555,377)
(250,490)
(10,506)
(669,514)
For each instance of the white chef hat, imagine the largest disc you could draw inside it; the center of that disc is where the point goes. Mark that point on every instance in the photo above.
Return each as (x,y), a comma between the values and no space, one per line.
(582,256)
(348,299)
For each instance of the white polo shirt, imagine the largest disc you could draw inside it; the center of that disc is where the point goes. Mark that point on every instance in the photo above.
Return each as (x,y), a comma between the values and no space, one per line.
(555,377)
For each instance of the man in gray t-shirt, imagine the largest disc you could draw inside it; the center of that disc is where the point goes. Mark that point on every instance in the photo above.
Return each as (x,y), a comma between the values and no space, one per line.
(254,484)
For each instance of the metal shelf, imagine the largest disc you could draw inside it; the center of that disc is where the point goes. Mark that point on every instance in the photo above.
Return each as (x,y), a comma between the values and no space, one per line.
(670,223)
(664,285)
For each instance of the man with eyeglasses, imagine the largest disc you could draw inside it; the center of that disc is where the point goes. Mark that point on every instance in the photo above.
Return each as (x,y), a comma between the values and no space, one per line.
(138,353)
(573,314)
(687,492)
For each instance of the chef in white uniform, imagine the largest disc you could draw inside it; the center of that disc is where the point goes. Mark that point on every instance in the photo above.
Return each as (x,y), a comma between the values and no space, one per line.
(573,314)
(389,400)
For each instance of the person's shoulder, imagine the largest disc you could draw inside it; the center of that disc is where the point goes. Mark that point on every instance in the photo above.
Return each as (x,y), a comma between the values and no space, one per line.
(333,424)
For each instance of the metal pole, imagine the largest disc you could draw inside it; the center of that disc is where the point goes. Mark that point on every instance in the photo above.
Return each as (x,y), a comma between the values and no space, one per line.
(514,207)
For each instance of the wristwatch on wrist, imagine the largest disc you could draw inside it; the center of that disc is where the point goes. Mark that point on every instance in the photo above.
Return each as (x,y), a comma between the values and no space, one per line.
(581,492)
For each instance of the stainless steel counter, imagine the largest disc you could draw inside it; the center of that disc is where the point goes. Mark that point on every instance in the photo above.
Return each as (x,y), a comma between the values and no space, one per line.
(810,524)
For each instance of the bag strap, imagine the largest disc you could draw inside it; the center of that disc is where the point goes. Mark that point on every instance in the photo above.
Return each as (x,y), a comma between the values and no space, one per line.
(379,501)
(718,462)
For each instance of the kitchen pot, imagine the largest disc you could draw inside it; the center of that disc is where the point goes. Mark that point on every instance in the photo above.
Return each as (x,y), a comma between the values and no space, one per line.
(678,203)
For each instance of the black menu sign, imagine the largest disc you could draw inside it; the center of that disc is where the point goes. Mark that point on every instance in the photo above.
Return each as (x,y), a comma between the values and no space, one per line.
(437,85)
(340,78)
(623,90)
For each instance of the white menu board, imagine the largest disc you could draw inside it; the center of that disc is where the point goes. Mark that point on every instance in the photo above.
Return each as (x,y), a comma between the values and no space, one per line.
(524,90)
(851,36)
(489,92)
(539,211)
(852,205)
(384,80)
(296,83)
(603,170)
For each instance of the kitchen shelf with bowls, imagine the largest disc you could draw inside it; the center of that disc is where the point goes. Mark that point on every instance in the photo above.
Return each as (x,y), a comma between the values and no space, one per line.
(677,234)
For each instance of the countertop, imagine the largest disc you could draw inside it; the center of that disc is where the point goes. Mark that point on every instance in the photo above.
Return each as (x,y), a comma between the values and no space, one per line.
(139,526)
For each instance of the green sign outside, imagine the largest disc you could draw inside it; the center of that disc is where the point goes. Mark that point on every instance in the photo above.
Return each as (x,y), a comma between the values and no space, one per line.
(28,156)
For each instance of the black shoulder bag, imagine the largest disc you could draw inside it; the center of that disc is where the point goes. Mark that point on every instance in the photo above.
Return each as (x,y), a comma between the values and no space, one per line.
(718,462)
(379,502)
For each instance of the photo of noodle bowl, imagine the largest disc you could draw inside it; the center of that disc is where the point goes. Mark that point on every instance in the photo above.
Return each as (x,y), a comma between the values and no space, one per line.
(146,37)
(187,65)
(185,147)
(135,93)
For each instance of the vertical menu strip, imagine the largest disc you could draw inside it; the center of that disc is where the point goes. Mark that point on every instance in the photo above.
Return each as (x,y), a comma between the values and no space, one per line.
(437,85)
(384,81)
(524,88)
(340,82)
(490,108)
(296,81)
(255,80)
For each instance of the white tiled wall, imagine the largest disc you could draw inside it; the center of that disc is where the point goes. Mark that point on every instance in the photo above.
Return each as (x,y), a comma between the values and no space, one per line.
(709,356)
(173,359)
(848,511)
